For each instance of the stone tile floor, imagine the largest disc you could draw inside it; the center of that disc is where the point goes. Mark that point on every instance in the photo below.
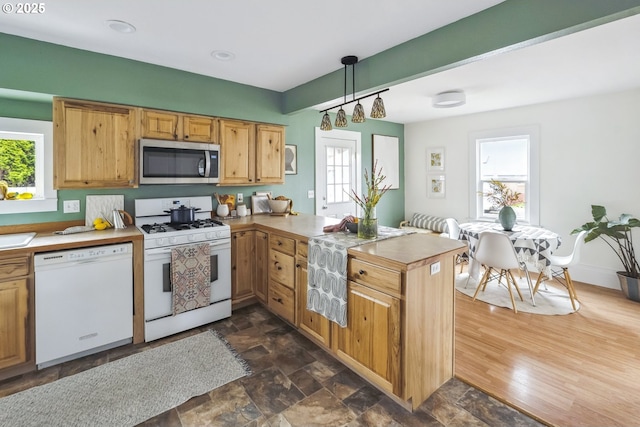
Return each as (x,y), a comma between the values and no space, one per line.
(294,383)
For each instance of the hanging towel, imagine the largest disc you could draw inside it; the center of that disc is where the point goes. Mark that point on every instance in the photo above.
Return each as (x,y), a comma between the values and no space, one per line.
(327,271)
(191,277)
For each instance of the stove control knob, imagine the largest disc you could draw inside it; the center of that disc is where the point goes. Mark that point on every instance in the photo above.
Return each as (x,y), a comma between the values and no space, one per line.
(161,241)
(191,238)
(210,235)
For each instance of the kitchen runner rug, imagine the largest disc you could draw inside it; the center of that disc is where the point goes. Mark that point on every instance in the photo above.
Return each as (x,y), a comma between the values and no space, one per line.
(550,301)
(130,390)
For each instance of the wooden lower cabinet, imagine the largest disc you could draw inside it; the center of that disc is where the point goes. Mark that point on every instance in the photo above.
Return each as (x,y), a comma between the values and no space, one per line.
(16,316)
(371,340)
(242,265)
(262,266)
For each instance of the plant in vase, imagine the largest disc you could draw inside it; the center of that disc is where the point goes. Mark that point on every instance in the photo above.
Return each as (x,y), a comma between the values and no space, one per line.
(368,223)
(502,197)
(617,235)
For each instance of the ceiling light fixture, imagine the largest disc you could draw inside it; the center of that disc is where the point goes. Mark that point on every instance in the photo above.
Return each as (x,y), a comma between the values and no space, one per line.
(223,55)
(120,26)
(453,98)
(377,112)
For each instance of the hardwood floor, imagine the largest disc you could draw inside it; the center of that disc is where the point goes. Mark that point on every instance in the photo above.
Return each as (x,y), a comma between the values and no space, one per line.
(581,369)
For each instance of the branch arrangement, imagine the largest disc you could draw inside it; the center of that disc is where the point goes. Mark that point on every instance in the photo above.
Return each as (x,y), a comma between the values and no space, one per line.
(374,190)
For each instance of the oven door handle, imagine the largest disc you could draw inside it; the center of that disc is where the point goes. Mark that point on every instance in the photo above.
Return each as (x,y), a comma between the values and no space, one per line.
(167,250)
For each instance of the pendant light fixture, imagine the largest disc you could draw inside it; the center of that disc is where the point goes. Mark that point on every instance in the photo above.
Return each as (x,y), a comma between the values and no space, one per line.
(377,112)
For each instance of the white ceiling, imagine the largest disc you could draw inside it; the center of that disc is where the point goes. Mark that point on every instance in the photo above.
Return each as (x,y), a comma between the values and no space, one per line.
(280,44)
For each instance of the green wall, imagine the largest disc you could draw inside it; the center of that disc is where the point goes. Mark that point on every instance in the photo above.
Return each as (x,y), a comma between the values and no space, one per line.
(57,70)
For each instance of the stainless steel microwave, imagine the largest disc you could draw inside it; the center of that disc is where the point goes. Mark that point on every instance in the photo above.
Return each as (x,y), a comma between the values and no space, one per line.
(178,162)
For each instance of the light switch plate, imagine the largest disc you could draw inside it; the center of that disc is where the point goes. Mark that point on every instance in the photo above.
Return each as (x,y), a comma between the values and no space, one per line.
(435,268)
(71,206)
(311,194)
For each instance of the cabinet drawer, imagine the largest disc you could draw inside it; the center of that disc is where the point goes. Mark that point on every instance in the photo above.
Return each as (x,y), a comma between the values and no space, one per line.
(282,244)
(14,267)
(282,268)
(375,277)
(282,301)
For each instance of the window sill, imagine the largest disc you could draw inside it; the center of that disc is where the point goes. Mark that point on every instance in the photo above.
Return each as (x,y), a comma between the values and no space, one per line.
(28,206)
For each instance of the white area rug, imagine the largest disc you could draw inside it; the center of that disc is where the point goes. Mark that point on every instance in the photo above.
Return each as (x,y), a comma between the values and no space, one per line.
(549,301)
(130,390)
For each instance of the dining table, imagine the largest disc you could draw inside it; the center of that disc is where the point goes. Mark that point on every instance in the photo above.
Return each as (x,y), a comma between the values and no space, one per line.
(533,245)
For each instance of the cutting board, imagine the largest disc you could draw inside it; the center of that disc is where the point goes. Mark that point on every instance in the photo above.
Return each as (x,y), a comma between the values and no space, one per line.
(102,207)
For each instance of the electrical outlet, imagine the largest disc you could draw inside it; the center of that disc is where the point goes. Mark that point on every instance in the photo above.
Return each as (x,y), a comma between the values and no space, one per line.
(435,268)
(311,194)
(240,198)
(71,206)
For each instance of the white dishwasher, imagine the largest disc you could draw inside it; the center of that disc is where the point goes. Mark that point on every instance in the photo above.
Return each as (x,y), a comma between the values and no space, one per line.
(84,302)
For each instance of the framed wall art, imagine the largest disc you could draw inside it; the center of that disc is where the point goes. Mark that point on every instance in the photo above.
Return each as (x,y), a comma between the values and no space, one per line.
(436,186)
(386,153)
(290,159)
(435,159)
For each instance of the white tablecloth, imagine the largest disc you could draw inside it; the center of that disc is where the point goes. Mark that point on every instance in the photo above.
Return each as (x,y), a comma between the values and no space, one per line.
(327,271)
(533,245)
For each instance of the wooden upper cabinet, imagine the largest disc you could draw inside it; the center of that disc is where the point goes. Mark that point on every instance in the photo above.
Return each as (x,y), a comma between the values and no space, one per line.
(161,124)
(269,154)
(200,129)
(178,126)
(237,152)
(94,145)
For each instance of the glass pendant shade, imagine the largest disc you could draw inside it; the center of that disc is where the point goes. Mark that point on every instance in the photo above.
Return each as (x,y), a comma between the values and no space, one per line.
(341,119)
(326,122)
(358,114)
(377,111)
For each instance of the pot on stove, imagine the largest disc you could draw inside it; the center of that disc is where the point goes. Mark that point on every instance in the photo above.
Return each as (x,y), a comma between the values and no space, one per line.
(182,215)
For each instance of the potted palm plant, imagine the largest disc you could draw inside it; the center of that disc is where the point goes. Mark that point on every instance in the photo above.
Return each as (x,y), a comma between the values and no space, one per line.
(617,235)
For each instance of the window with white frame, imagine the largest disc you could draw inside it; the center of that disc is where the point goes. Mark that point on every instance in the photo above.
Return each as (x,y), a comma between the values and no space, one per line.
(509,156)
(26,165)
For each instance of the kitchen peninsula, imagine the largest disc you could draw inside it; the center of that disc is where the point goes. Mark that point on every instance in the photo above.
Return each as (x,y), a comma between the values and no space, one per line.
(400,329)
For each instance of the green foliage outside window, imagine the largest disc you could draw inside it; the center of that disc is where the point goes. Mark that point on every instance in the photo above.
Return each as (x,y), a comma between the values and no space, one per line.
(18,162)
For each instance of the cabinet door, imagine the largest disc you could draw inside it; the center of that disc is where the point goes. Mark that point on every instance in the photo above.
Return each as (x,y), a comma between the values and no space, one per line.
(161,125)
(311,322)
(270,154)
(200,129)
(372,336)
(14,311)
(262,265)
(94,145)
(282,268)
(237,152)
(242,265)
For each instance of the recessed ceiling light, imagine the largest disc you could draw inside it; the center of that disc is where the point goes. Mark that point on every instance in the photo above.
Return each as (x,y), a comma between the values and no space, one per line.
(449,99)
(121,26)
(223,55)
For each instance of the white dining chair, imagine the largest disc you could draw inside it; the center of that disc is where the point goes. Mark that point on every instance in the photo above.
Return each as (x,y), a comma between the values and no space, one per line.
(453,229)
(563,262)
(496,252)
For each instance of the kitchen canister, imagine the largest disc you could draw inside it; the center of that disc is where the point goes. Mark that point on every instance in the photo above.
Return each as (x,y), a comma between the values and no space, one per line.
(222,210)
(241,209)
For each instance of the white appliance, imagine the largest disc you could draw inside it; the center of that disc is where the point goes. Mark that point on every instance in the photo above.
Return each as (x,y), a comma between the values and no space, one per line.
(84,302)
(178,162)
(160,236)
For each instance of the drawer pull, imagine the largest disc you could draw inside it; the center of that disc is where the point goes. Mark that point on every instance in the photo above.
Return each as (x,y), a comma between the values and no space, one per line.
(297,265)
(361,272)
(279,243)
(277,300)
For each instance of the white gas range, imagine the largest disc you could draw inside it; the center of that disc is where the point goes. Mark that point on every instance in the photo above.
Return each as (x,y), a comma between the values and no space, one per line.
(152,217)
